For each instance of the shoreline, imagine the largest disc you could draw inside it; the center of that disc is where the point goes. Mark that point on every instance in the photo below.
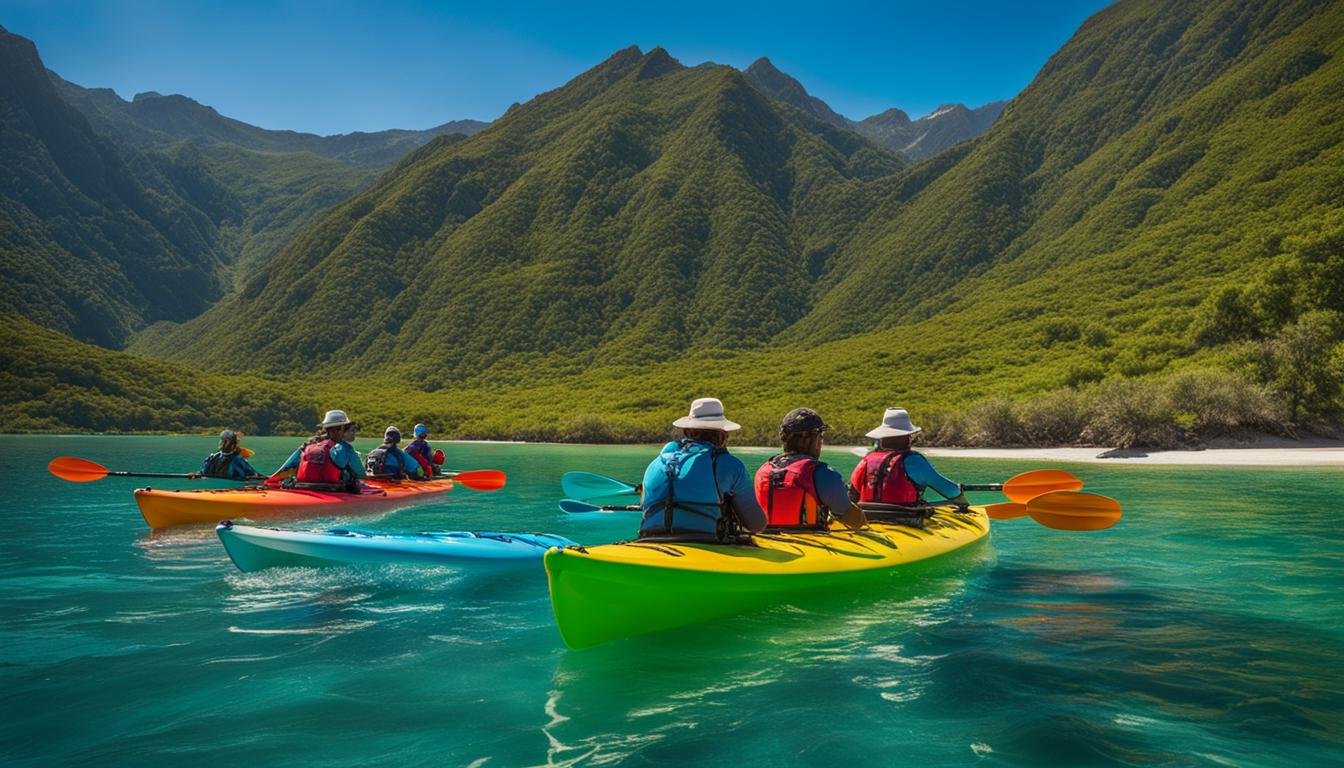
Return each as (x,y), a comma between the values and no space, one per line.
(1312,454)
(1267,452)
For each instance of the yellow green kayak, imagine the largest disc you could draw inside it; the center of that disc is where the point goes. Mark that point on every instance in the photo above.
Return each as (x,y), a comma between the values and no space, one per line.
(615,590)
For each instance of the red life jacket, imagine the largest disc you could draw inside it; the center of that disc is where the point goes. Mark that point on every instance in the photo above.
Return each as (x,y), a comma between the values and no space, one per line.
(316,466)
(787,492)
(885,480)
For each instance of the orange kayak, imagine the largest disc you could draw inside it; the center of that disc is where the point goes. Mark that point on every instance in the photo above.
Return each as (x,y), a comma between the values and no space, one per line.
(162,509)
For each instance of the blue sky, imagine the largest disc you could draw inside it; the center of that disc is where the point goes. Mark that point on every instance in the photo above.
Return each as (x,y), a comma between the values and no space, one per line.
(334,67)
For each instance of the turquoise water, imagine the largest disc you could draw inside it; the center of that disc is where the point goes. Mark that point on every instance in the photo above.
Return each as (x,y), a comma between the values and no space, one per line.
(1207,628)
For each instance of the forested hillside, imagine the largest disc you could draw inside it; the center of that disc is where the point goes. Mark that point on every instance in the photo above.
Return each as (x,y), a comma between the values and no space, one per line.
(643,210)
(50,382)
(93,242)
(1146,247)
(116,215)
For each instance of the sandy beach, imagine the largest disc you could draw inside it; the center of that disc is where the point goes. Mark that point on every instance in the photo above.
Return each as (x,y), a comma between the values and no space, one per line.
(1263,457)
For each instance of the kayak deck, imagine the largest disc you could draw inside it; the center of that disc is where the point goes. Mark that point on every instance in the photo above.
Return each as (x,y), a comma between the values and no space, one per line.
(253,548)
(615,590)
(164,508)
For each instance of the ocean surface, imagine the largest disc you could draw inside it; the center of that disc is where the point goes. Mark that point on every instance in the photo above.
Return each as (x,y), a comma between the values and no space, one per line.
(1207,628)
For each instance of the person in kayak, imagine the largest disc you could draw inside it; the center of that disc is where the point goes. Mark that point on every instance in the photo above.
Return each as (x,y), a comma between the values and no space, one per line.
(327,460)
(892,473)
(418,449)
(387,460)
(795,488)
(695,489)
(229,461)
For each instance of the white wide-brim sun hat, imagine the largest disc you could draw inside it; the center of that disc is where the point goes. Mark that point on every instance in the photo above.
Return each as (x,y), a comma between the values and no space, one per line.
(895,422)
(706,413)
(334,419)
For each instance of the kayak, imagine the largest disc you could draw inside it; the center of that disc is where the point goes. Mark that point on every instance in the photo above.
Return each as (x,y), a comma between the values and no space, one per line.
(616,590)
(253,548)
(162,509)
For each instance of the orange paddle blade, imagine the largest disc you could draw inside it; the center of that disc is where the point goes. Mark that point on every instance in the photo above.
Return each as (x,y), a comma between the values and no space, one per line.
(1006,510)
(76,470)
(1073,511)
(481,479)
(1028,485)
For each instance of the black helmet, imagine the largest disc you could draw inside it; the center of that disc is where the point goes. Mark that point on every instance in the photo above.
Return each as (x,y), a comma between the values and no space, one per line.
(801,420)
(228,436)
(392,435)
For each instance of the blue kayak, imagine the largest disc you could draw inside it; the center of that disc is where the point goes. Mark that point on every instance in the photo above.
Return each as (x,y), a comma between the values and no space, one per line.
(254,548)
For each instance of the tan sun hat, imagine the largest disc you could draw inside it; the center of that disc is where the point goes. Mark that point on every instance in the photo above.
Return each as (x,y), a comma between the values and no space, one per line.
(334,419)
(895,422)
(706,413)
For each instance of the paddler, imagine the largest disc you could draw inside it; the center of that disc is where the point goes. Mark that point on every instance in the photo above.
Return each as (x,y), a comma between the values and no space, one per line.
(387,460)
(430,460)
(230,461)
(797,489)
(695,489)
(894,474)
(327,460)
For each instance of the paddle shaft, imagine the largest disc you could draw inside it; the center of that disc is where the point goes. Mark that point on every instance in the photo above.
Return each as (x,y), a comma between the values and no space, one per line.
(982,487)
(156,474)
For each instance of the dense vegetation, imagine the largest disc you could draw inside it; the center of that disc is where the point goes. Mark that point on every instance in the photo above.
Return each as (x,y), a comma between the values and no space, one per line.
(52,383)
(93,242)
(1147,248)
(643,210)
(115,214)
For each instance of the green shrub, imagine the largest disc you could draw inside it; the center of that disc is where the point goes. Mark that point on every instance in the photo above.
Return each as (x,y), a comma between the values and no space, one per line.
(1221,402)
(1133,413)
(995,422)
(1055,418)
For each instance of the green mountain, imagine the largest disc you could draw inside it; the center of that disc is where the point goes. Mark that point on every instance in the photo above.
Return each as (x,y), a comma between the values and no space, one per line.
(914,139)
(94,242)
(122,214)
(1148,243)
(768,79)
(1134,176)
(643,210)
(154,120)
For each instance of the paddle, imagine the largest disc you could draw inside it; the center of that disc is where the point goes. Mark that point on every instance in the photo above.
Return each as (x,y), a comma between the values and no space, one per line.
(577,507)
(1073,511)
(479,479)
(78,470)
(586,485)
(1021,488)
(475,479)
(1006,510)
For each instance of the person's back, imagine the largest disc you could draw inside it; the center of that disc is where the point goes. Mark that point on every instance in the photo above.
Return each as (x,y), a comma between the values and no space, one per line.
(892,473)
(327,460)
(389,460)
(881,477)
(418,449)
(795,488)
(228,462)
(694,488)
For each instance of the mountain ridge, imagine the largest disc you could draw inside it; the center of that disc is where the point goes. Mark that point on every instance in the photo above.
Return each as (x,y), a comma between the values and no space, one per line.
(892,128)
(151,119)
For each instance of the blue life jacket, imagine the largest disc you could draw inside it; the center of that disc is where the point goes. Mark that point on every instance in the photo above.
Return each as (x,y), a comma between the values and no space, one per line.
(681,493)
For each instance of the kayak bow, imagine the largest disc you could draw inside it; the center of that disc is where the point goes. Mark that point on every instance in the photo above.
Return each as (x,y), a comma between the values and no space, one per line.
(253,548)
(162,509)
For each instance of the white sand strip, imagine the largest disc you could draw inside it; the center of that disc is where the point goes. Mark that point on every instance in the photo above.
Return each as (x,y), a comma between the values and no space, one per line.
(1263,457)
